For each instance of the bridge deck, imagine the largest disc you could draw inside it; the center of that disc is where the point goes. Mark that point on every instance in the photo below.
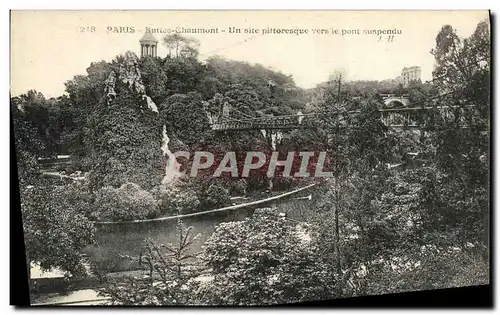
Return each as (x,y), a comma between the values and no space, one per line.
(406,117)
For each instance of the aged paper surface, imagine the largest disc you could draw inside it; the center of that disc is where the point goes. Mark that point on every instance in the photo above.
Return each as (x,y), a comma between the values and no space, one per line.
(55,40)
(355,143)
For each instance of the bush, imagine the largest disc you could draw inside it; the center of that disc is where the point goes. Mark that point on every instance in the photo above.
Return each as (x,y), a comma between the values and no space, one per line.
(263,260)
(237,187)
(78,196)
(129,202)
(178,200)
(215,196)
(287,183)
(430,269)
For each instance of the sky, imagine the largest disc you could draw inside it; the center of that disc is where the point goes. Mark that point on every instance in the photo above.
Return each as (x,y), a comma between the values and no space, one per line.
(49,48)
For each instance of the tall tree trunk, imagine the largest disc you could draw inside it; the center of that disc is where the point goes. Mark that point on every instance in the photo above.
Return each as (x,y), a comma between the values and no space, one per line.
(337,202)
(336,229)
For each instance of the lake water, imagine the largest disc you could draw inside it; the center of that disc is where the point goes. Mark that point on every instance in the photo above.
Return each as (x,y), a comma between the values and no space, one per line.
(115,242)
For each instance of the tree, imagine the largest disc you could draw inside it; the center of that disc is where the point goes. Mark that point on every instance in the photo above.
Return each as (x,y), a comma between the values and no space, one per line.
(42,115)
(418,92)
(85,94)
(185,74)
(29,145)
(462,62)
(263,260)
(55,226)
(389,215)
(461,153)
(366,88)
(154,78)
(337,78)
(55,230)
(170,277)
(182,46)
(185,118)
(272,88)
(243,101)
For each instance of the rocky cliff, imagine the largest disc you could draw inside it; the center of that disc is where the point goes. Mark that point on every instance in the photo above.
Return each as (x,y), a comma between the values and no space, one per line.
(130,75)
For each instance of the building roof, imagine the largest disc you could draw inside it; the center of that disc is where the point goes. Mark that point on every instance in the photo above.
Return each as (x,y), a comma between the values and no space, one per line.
(411,68)
(148,37)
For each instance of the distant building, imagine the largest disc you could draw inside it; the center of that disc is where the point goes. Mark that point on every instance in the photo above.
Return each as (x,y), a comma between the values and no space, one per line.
(410,74)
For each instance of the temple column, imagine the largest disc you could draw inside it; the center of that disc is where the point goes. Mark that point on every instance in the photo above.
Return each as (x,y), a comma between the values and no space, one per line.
(149,45)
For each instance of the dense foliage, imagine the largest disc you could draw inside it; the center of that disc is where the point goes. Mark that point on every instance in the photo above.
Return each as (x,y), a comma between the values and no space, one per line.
(55,228)
(178,200)
(264,260)
(123,141)
(126,203)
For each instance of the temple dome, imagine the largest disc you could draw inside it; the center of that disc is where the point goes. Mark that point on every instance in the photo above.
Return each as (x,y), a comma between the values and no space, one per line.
(148,38)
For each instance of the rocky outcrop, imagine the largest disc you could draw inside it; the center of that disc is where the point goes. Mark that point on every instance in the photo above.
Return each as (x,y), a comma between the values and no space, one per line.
(276,137)
(130,75)
(109,87)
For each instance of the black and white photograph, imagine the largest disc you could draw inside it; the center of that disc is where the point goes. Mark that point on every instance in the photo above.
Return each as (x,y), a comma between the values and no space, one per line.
(250,158)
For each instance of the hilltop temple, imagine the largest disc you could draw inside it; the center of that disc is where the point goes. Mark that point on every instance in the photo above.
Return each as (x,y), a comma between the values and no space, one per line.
(149,45)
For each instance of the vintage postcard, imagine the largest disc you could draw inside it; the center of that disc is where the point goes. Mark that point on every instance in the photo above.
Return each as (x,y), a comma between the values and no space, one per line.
(250,157)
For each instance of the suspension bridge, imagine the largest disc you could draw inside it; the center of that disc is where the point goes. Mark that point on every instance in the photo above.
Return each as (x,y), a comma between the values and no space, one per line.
(404,117)
(401,113)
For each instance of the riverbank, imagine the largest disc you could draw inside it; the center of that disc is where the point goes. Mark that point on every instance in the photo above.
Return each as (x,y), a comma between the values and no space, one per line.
(117,245)
(233,207)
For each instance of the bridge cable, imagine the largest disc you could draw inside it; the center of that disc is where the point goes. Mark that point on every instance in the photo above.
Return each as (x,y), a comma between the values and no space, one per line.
(235,109)
(329,112)
(325,111)
(232,45)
